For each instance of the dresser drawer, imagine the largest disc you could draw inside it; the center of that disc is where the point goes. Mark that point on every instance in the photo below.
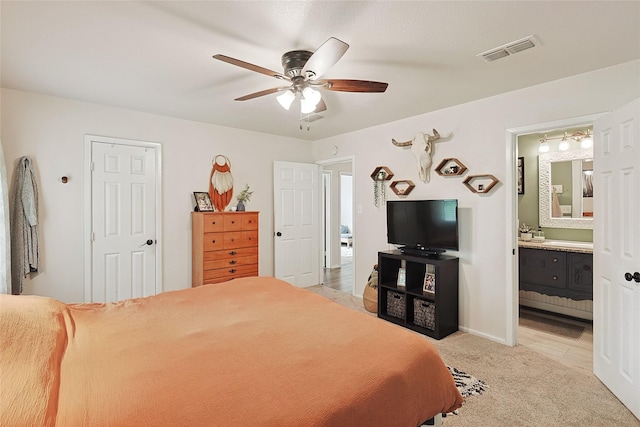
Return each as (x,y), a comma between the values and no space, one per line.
(232,222)
(250,221)
(213,241)
(228,273)
(213,223)
(231,262)
(540,267)
(240,239)
(230,253)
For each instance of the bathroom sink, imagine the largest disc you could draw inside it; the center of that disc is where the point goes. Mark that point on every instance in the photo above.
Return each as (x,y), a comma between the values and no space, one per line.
(568,244)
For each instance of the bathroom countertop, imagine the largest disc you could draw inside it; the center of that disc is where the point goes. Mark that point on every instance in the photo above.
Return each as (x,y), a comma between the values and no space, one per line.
(558,245)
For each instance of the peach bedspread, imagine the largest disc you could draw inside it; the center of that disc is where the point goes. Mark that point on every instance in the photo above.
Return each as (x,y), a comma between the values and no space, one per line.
(254,351)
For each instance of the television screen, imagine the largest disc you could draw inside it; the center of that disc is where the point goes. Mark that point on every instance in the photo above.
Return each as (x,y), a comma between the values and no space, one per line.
(424,225)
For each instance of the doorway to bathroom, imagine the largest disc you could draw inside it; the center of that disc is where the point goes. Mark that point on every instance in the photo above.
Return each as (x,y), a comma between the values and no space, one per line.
(554,324)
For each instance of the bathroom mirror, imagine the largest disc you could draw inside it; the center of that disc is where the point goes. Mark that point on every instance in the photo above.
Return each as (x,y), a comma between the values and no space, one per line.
(568,174)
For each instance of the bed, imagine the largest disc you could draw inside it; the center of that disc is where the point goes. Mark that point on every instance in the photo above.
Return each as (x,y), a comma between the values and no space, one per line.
(253,351)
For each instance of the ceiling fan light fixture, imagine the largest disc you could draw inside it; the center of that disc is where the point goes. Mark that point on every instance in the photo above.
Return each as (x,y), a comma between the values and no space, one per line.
(306,106)
(311,95)
(286,98)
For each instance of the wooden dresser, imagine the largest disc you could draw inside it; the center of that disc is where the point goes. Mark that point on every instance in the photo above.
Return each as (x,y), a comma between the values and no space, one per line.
(224,246)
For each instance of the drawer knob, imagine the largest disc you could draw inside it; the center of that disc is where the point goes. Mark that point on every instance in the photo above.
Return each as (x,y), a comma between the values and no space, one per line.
(232,253)
(555,260)
(213,241)
(233,270)
(555,277)
(232,262)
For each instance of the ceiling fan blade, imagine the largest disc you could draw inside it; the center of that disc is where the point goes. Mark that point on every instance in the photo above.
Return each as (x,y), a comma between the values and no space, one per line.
(324,58)
(346,85)
(250,67)
(261,93)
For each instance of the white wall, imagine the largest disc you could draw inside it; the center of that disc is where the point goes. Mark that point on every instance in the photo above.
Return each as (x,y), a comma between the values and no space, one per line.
(51,131)
(479,141)
(346,197)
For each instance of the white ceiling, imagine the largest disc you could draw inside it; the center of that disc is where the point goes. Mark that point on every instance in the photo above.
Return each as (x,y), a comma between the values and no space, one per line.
(157,56)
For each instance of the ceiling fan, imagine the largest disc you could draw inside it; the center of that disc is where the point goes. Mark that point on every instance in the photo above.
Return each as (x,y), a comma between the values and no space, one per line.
(303,69)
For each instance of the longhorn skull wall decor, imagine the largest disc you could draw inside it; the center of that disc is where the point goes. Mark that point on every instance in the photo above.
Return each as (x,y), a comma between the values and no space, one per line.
(422,149)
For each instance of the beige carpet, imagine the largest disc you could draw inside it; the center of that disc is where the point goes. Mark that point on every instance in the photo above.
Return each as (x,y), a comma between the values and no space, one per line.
(525,388)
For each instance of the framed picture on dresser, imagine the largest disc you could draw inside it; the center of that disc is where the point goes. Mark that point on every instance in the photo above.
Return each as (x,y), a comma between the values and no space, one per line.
(203,201)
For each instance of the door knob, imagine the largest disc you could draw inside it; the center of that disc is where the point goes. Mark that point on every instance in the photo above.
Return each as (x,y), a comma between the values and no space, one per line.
(148,242)
(278,234)
(635,276)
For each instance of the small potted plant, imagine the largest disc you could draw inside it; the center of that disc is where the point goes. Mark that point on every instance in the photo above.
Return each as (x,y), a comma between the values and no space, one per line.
(244,196)
(525,232)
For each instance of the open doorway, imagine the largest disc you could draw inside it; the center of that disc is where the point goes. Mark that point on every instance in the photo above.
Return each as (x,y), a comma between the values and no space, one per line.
(338,222)
(532,305)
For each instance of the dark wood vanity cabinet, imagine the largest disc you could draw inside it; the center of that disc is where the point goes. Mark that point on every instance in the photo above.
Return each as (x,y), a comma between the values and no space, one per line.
(580,270)
(557,273)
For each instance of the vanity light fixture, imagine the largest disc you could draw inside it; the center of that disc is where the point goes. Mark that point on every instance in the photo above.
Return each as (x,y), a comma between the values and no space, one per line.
(583,137)
(564,145)
(544,145)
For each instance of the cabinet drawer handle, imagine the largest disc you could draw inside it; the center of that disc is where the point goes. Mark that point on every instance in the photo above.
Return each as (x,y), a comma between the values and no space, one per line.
(397,296)
(233,270)
(232,253)
(232,262)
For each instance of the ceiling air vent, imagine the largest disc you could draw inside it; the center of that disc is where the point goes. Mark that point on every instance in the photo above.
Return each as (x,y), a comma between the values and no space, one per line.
(510,49)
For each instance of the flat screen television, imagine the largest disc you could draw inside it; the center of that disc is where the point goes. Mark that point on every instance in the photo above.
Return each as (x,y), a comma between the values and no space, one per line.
(423,227)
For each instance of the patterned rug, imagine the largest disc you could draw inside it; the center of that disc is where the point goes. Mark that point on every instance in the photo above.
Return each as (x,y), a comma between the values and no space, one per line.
(467,384)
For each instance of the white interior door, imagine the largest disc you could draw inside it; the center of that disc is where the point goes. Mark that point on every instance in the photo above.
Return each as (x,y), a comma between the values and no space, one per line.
(326,223)
(616,293)
(124,218)
(296,204)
